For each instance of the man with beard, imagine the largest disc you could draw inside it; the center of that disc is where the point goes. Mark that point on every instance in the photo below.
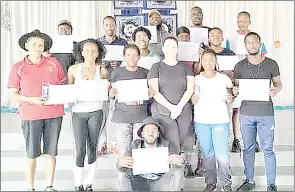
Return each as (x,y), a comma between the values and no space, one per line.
(238,45)
(156,19)
(257,115)
(150,137)
(110,38)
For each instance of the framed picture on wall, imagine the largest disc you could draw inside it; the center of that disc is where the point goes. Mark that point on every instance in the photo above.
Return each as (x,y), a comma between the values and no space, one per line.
(161,4)
(127,24)
(128,4)
(170,23)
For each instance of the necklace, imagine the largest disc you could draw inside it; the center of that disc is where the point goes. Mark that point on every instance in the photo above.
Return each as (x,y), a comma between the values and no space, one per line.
(257,71)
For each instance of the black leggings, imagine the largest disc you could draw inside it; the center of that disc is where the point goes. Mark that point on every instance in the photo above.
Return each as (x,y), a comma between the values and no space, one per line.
(86,127)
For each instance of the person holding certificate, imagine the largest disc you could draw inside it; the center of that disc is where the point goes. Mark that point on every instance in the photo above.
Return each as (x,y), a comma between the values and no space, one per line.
(155,19)
(110,38)
(256,115)
(212,122)
(66,59)
(183,35)
(128,115)
(150,137)
(173,84)
(87,116)
(38,121)
(141,37)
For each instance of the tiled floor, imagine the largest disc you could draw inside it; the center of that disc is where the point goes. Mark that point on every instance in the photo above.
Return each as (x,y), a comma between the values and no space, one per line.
(12,164)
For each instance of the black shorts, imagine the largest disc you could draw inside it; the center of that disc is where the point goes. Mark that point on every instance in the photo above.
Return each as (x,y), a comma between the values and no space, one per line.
(35,130)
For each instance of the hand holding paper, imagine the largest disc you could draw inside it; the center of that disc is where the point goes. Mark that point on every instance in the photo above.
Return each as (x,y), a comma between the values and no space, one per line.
(132,90)
(227,63)
(150,160)
(114,53)
(254,89)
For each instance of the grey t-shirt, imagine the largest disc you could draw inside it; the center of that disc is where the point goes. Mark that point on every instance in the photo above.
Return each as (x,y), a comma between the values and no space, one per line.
(245,70)
(128,112)
(172,82)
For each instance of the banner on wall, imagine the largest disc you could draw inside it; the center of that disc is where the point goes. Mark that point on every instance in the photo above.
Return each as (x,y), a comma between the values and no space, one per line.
(131,14)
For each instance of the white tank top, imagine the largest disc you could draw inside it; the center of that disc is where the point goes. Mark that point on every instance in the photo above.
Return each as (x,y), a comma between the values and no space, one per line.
(86,106)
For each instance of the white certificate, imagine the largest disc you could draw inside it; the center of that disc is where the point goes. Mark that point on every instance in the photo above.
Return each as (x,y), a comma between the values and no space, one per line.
(132,90)
(93,90)
(150,160)
(188,51)
(114,53)
(62,44)
(254,89)
(153,30)
(238,45)
(61,94)
(227,63)
(199,35)
(147,62)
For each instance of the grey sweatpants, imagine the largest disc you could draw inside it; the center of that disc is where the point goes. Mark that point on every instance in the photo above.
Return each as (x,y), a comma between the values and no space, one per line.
(86,129)
(176,130)
(168,182)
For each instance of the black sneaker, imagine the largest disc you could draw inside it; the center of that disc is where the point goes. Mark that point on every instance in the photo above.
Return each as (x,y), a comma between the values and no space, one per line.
(272,188)
(236,147)
(200,170)
(246,186)
(188,171)
(227,188)
(210,187)
(89,188)
(257,149)
(80,188)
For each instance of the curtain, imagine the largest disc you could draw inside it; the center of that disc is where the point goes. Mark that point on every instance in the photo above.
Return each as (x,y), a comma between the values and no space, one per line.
(272,20)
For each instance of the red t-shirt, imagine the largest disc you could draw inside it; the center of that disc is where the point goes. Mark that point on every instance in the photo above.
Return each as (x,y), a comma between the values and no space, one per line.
(28,78)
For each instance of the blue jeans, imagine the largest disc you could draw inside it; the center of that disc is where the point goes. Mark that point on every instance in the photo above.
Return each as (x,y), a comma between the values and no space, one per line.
(214,143)
(265,127)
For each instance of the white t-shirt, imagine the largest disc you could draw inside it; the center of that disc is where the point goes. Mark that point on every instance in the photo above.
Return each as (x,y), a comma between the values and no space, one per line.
(237,44)
(212,92)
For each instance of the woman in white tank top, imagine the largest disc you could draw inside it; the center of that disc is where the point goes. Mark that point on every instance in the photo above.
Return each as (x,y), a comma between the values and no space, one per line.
(87,117)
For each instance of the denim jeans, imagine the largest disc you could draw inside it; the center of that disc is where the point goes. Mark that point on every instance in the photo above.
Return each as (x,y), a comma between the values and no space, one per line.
(171,181)
(265,127)
(214,142)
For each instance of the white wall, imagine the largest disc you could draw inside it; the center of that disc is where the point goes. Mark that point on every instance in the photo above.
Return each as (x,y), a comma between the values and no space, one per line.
(273,20)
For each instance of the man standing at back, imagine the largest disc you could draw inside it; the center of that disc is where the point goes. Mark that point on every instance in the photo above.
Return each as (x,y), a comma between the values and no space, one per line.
(237,44)
(110,38)
(196,16)
(156,19)
(65,59)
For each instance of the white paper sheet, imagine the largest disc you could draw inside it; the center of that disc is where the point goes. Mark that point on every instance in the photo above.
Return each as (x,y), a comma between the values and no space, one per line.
(199,35)
(147,62)
(150,160)
(227,62)
(153,30)
(254,89)
(132,90)
(61,94)
(93,90)
(238,45)
(188,51)
(114,53)
(62,44)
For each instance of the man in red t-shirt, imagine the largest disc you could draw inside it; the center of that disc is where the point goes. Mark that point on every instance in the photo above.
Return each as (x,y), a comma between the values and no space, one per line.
(37,120)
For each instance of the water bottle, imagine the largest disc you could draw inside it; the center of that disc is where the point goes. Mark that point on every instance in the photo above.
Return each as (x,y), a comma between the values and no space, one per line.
(45,91)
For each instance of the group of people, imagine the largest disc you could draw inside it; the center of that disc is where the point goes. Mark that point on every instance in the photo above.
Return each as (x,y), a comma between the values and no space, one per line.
(190,103)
